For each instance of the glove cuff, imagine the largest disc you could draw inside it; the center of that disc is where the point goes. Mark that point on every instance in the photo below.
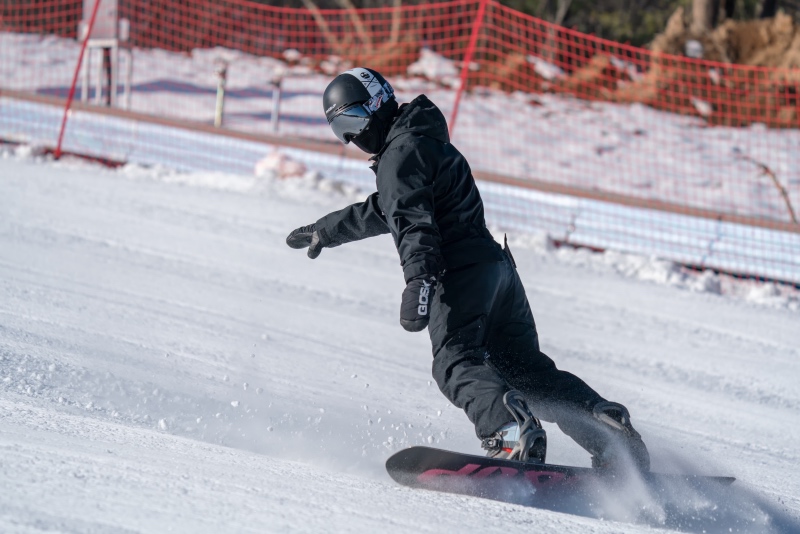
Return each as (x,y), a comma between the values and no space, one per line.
(324,238)
(422,268)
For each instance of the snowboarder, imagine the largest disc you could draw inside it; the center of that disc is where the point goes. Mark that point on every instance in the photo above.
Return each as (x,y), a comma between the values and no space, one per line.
(460,283)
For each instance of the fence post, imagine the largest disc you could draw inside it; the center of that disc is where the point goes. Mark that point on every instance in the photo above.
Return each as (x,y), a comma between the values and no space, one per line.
(275,117)
(75,78)
(221,70)
(473,43)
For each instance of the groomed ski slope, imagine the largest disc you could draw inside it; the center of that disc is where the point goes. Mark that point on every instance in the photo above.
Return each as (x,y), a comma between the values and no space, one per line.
(168,364)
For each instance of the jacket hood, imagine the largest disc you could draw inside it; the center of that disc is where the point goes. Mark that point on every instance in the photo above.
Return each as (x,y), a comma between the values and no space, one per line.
(420,116)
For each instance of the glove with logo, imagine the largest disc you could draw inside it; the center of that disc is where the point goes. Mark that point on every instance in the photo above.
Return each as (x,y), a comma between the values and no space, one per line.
(307,236)
(415,311)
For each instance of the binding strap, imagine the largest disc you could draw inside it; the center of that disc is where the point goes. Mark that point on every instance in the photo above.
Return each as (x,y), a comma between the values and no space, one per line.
(494,444)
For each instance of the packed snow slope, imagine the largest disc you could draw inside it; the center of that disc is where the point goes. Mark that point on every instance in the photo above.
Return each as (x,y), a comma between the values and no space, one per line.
(167,363)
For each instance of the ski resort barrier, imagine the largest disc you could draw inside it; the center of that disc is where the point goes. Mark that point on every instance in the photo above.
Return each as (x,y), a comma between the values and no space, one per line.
(598,143)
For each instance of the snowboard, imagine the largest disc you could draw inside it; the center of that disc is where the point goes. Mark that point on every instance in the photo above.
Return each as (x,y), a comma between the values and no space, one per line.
(528,483)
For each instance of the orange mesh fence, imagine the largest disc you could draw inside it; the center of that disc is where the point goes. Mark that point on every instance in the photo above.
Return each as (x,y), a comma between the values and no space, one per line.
(595,142)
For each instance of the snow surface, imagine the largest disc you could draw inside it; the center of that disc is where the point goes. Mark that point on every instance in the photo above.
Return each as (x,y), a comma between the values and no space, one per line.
(168,364)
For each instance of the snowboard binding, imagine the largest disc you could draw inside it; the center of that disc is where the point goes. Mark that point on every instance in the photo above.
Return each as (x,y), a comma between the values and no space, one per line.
(524,440)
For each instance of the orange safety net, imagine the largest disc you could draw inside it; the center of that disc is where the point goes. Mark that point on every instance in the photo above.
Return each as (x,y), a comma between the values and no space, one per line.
(390,39)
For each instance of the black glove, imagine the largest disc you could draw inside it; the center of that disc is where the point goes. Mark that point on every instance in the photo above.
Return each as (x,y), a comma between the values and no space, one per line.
(415,311)
(307,236)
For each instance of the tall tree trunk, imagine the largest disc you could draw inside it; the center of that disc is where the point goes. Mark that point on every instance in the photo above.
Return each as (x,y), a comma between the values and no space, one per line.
(704,16)
(769,8)
(730,7)
(561,12)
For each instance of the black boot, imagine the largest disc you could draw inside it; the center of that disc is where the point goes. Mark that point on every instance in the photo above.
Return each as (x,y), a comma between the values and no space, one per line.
(523,439)
(624,441)
(604,429)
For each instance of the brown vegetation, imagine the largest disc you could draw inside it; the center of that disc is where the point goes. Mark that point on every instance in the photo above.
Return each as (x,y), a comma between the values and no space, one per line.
(772,42)
(724,93)
(391,54)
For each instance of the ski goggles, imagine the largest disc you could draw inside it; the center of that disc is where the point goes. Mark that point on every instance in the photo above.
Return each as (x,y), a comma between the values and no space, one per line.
(350,122)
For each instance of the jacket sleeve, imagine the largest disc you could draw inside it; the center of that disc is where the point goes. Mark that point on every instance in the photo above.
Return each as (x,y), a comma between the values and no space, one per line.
(405,185)
(355,222)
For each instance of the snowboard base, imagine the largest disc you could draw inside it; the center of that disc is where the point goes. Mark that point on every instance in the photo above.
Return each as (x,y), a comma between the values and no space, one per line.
(524,483)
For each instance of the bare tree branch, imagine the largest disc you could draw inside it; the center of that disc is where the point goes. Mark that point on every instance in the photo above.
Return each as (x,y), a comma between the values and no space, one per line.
(561,13)
(358,24)
(781,190)
(322,24)
(397,20)
(785,194)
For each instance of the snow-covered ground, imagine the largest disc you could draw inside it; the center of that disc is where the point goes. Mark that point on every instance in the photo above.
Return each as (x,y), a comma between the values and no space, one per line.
(626,149)
(167,363)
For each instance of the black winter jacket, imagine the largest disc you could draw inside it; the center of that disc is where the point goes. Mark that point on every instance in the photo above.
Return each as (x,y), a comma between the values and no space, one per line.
(426,198)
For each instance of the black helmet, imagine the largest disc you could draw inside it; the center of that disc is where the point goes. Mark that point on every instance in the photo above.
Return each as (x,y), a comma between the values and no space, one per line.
(352,98)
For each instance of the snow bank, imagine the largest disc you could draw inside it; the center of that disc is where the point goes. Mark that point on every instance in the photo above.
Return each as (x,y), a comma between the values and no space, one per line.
(663,272)
(436,68)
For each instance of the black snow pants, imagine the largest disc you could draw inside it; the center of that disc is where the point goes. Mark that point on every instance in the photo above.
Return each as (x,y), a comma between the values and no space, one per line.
(485,344)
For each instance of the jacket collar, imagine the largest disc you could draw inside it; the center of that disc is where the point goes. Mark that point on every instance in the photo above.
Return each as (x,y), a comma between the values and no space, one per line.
(420,116)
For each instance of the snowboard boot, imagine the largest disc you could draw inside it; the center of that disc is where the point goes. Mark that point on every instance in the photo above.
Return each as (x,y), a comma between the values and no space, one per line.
(622,444)
(523,440)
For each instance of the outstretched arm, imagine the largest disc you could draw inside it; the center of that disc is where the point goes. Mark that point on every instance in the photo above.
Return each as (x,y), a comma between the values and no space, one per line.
(355,222)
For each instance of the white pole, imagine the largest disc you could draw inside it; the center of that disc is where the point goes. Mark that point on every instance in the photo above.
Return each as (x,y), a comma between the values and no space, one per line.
(275,118)
(98,95)
(85,81)
(114,73)
(222,74)
(128,81)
